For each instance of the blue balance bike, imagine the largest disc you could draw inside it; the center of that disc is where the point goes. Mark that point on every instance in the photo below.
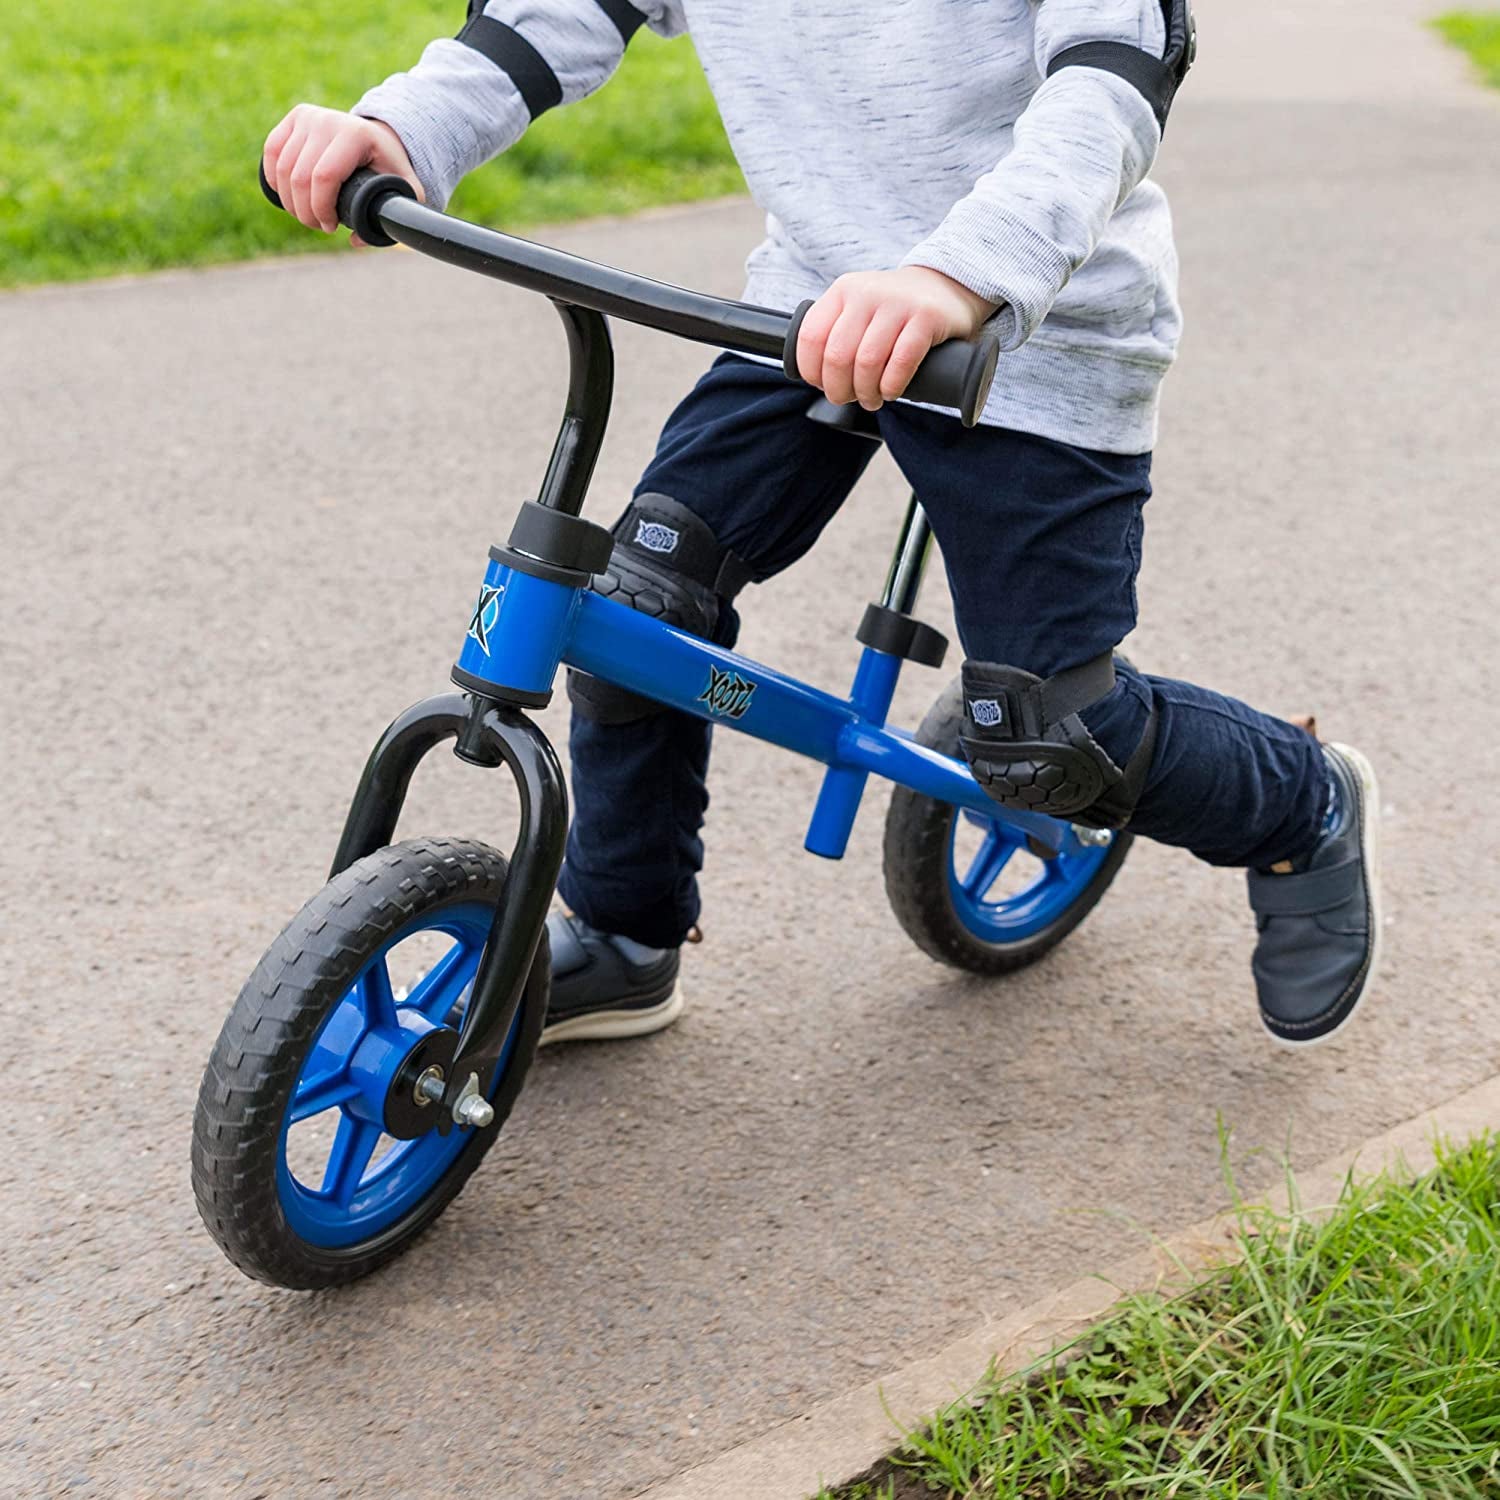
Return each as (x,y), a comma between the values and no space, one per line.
(374,1054)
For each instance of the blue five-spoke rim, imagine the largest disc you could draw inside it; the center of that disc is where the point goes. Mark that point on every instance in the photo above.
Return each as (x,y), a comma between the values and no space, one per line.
(1024,911)
(354,1200)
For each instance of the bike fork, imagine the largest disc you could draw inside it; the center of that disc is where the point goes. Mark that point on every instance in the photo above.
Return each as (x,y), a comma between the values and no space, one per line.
(487,733)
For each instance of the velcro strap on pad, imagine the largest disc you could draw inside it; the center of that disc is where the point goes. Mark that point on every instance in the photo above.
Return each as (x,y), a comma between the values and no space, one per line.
(1151,77)
(1072,691)
(626,17)
(1304,894)
(531,73)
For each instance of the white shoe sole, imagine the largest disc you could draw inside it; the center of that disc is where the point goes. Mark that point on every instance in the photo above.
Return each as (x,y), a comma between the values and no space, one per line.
(1370,852)
(616,1025)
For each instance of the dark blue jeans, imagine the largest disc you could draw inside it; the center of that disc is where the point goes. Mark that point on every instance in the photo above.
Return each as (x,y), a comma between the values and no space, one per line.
(1042,543)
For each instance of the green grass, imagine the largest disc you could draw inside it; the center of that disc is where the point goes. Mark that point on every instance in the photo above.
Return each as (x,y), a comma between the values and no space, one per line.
(1358,1356)
(132,128)
(1478,33)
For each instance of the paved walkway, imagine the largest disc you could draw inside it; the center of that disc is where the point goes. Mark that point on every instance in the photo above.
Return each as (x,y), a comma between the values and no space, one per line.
(243,513)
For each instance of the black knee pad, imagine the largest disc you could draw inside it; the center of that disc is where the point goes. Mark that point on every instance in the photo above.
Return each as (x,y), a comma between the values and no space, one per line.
(1028,747)
(667,564)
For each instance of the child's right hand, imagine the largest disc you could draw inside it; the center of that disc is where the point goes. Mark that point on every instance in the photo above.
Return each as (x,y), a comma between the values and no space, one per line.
(314,151)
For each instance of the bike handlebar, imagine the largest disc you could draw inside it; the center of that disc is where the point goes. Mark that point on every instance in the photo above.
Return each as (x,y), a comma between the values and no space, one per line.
(382,210)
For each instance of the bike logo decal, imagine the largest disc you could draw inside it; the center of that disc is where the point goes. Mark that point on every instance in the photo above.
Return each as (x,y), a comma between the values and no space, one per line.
(486,612)
(985,712)
(727,694)
(655,537)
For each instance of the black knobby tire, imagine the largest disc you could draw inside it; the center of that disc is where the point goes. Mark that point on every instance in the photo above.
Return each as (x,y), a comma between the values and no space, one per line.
(254,1065)
(917,859)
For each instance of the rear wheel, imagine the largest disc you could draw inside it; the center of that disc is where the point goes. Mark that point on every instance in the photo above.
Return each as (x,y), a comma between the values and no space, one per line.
(294,1174)
(968,889)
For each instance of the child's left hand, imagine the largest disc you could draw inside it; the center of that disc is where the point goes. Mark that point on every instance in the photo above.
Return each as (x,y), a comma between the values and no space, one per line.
(865,336)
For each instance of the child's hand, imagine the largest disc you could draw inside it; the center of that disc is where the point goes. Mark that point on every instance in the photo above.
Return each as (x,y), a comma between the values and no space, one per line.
(314,151)
(865,336)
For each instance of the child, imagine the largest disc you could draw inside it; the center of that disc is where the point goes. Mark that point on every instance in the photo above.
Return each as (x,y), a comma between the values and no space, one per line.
(926,166)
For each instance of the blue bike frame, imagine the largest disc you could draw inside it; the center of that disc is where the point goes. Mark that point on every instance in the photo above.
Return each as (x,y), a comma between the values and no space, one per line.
(525,627)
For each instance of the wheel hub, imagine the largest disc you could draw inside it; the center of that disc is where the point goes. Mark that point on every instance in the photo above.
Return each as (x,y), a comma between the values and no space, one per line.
(390,1066)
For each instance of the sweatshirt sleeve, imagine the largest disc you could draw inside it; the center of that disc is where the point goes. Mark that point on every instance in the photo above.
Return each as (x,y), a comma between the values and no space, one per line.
(459,105)
(1082,145)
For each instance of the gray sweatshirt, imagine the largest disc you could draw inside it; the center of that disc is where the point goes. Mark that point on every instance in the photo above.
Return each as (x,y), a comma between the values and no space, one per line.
(881,133)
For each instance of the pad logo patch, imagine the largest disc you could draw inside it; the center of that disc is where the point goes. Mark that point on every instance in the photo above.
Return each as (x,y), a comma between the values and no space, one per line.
(486,612)
(985,712)
(727,694)
(655,537)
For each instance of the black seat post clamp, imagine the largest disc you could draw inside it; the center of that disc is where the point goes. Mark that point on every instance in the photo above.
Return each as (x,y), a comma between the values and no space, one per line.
(888,630)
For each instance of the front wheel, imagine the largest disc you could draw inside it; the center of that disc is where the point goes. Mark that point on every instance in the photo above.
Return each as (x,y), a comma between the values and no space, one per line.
(967,889)
(294,1174)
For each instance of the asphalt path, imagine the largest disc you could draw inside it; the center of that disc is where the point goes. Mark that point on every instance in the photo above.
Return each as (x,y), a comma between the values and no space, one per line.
(244,513)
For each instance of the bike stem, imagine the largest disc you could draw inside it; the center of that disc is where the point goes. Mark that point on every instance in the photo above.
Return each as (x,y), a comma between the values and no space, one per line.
(487,734)
(591,384)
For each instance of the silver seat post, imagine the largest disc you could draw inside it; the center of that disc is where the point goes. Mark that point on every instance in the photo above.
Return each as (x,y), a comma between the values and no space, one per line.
(904,581)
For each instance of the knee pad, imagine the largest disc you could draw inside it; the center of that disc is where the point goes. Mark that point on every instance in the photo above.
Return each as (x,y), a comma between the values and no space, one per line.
(1028,747)
(667,563)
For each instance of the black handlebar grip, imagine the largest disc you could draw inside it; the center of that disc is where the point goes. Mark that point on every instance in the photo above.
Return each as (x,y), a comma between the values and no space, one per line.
(958,373)
(272,196)
(358,199)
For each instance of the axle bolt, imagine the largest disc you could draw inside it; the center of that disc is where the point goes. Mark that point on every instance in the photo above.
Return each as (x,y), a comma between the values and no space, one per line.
(471,1107)
(475,1111)
(1092,837)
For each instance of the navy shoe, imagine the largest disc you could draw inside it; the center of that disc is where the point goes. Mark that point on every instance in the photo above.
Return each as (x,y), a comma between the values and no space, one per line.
(606,987)
(1320,923)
